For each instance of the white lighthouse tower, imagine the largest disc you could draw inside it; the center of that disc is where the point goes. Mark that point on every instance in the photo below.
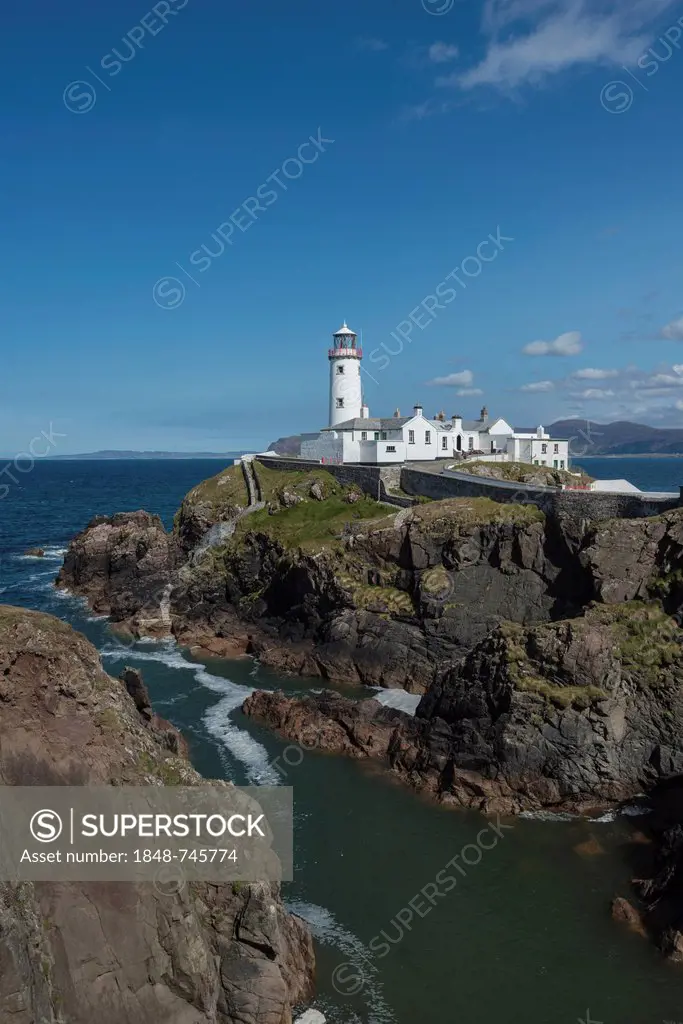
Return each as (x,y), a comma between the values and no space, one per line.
(346,397)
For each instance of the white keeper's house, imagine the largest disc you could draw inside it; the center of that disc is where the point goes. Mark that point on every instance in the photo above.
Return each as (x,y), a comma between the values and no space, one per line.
(354,436)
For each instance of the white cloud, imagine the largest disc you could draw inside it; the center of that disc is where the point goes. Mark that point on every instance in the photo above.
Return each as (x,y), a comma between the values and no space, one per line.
(679,403)
(453,380)
(539,385)
(673,331)
(469,391)
(568,344)
(595,394)
(590,373)
(441,53)
(531,39)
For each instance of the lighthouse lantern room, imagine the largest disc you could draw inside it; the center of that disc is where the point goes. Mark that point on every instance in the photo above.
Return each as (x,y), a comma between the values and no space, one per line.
(346,398)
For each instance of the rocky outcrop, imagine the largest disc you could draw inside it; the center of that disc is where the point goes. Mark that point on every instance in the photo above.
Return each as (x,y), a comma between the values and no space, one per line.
(120,953)
(569,715)
(324,582)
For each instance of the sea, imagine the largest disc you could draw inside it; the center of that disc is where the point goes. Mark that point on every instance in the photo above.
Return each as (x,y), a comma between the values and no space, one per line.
(525,935)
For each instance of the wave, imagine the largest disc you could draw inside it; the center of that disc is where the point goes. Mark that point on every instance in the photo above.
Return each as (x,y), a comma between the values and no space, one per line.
(52,553)
(357,963)
(217,721)
(627,811)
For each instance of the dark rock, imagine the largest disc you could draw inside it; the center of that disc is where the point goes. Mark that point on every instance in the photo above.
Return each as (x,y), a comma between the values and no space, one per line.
(114,952)
(626,913)
(35,552)
(563,715)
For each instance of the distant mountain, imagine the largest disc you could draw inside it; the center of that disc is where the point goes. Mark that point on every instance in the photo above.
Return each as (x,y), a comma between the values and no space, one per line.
(588,438)
(150,455)
(620,438)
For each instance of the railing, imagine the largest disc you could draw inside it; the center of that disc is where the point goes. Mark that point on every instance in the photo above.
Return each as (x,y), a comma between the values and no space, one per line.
(335,352)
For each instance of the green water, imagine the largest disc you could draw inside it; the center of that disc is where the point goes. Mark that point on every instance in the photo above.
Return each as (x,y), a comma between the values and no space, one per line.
(525,935)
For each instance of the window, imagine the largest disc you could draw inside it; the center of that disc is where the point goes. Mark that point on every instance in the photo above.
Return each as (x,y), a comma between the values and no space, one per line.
(383,435)
(411,437)
(444,443)
(340,368)
(535,462)
(377,435)
(428,437)
(561,463)
(340,403)
(470,443)
(544,449)
(458,443)
(554,463)
(363,435)
(556,449)
(391,447)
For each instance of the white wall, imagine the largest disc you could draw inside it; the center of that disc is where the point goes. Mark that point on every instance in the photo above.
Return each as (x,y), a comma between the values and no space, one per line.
(345,387)
(379,451)
(555,456)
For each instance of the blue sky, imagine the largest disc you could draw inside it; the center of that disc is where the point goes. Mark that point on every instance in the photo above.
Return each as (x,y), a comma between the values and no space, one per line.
(131,135)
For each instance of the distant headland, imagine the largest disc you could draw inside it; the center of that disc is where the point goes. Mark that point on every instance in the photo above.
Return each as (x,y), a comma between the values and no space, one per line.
(111,454)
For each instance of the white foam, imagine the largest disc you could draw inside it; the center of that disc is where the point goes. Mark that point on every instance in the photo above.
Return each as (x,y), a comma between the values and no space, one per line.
(328,931)
(549,816)
(51,553)
(243,747)
(401,700)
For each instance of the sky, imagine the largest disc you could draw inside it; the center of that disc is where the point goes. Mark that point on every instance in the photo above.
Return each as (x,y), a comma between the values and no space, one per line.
(194,194)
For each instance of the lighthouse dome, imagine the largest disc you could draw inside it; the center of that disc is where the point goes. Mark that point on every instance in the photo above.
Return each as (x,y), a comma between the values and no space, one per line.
(344,330)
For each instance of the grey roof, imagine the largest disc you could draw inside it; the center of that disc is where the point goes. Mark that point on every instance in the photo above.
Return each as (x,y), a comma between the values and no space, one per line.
(372,423)
(466,424)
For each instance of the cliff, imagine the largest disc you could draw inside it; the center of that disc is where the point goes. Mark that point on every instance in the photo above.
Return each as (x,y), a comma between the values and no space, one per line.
(113,952)
(566,715)
(323,581)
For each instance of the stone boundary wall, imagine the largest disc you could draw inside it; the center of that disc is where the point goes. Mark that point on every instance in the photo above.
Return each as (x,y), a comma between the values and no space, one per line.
(368,478)
(587,505)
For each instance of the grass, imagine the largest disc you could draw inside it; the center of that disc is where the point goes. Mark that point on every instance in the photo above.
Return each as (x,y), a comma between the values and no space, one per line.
(456,512)
(273,482)
(644,639)
(520,472)
(383,600)
(225,490)
(310,524)
(648,640)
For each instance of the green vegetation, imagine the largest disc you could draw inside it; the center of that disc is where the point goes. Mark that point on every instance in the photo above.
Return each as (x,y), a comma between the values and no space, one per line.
(166,770)
(310,524)
(641,635)
(108,721)
(662,586)
(452,513)
(275,482)
(525,473)
(648,640)
(562,696)
(383,599)
(222,493)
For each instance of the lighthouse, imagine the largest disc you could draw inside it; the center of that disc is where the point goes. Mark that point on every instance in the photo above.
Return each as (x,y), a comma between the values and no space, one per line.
(346,398)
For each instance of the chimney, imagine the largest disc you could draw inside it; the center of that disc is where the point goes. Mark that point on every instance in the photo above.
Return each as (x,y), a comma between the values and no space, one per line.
(484,414)
(364,412)
(397,413)
(417,410)
(441,416)
(456,419)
